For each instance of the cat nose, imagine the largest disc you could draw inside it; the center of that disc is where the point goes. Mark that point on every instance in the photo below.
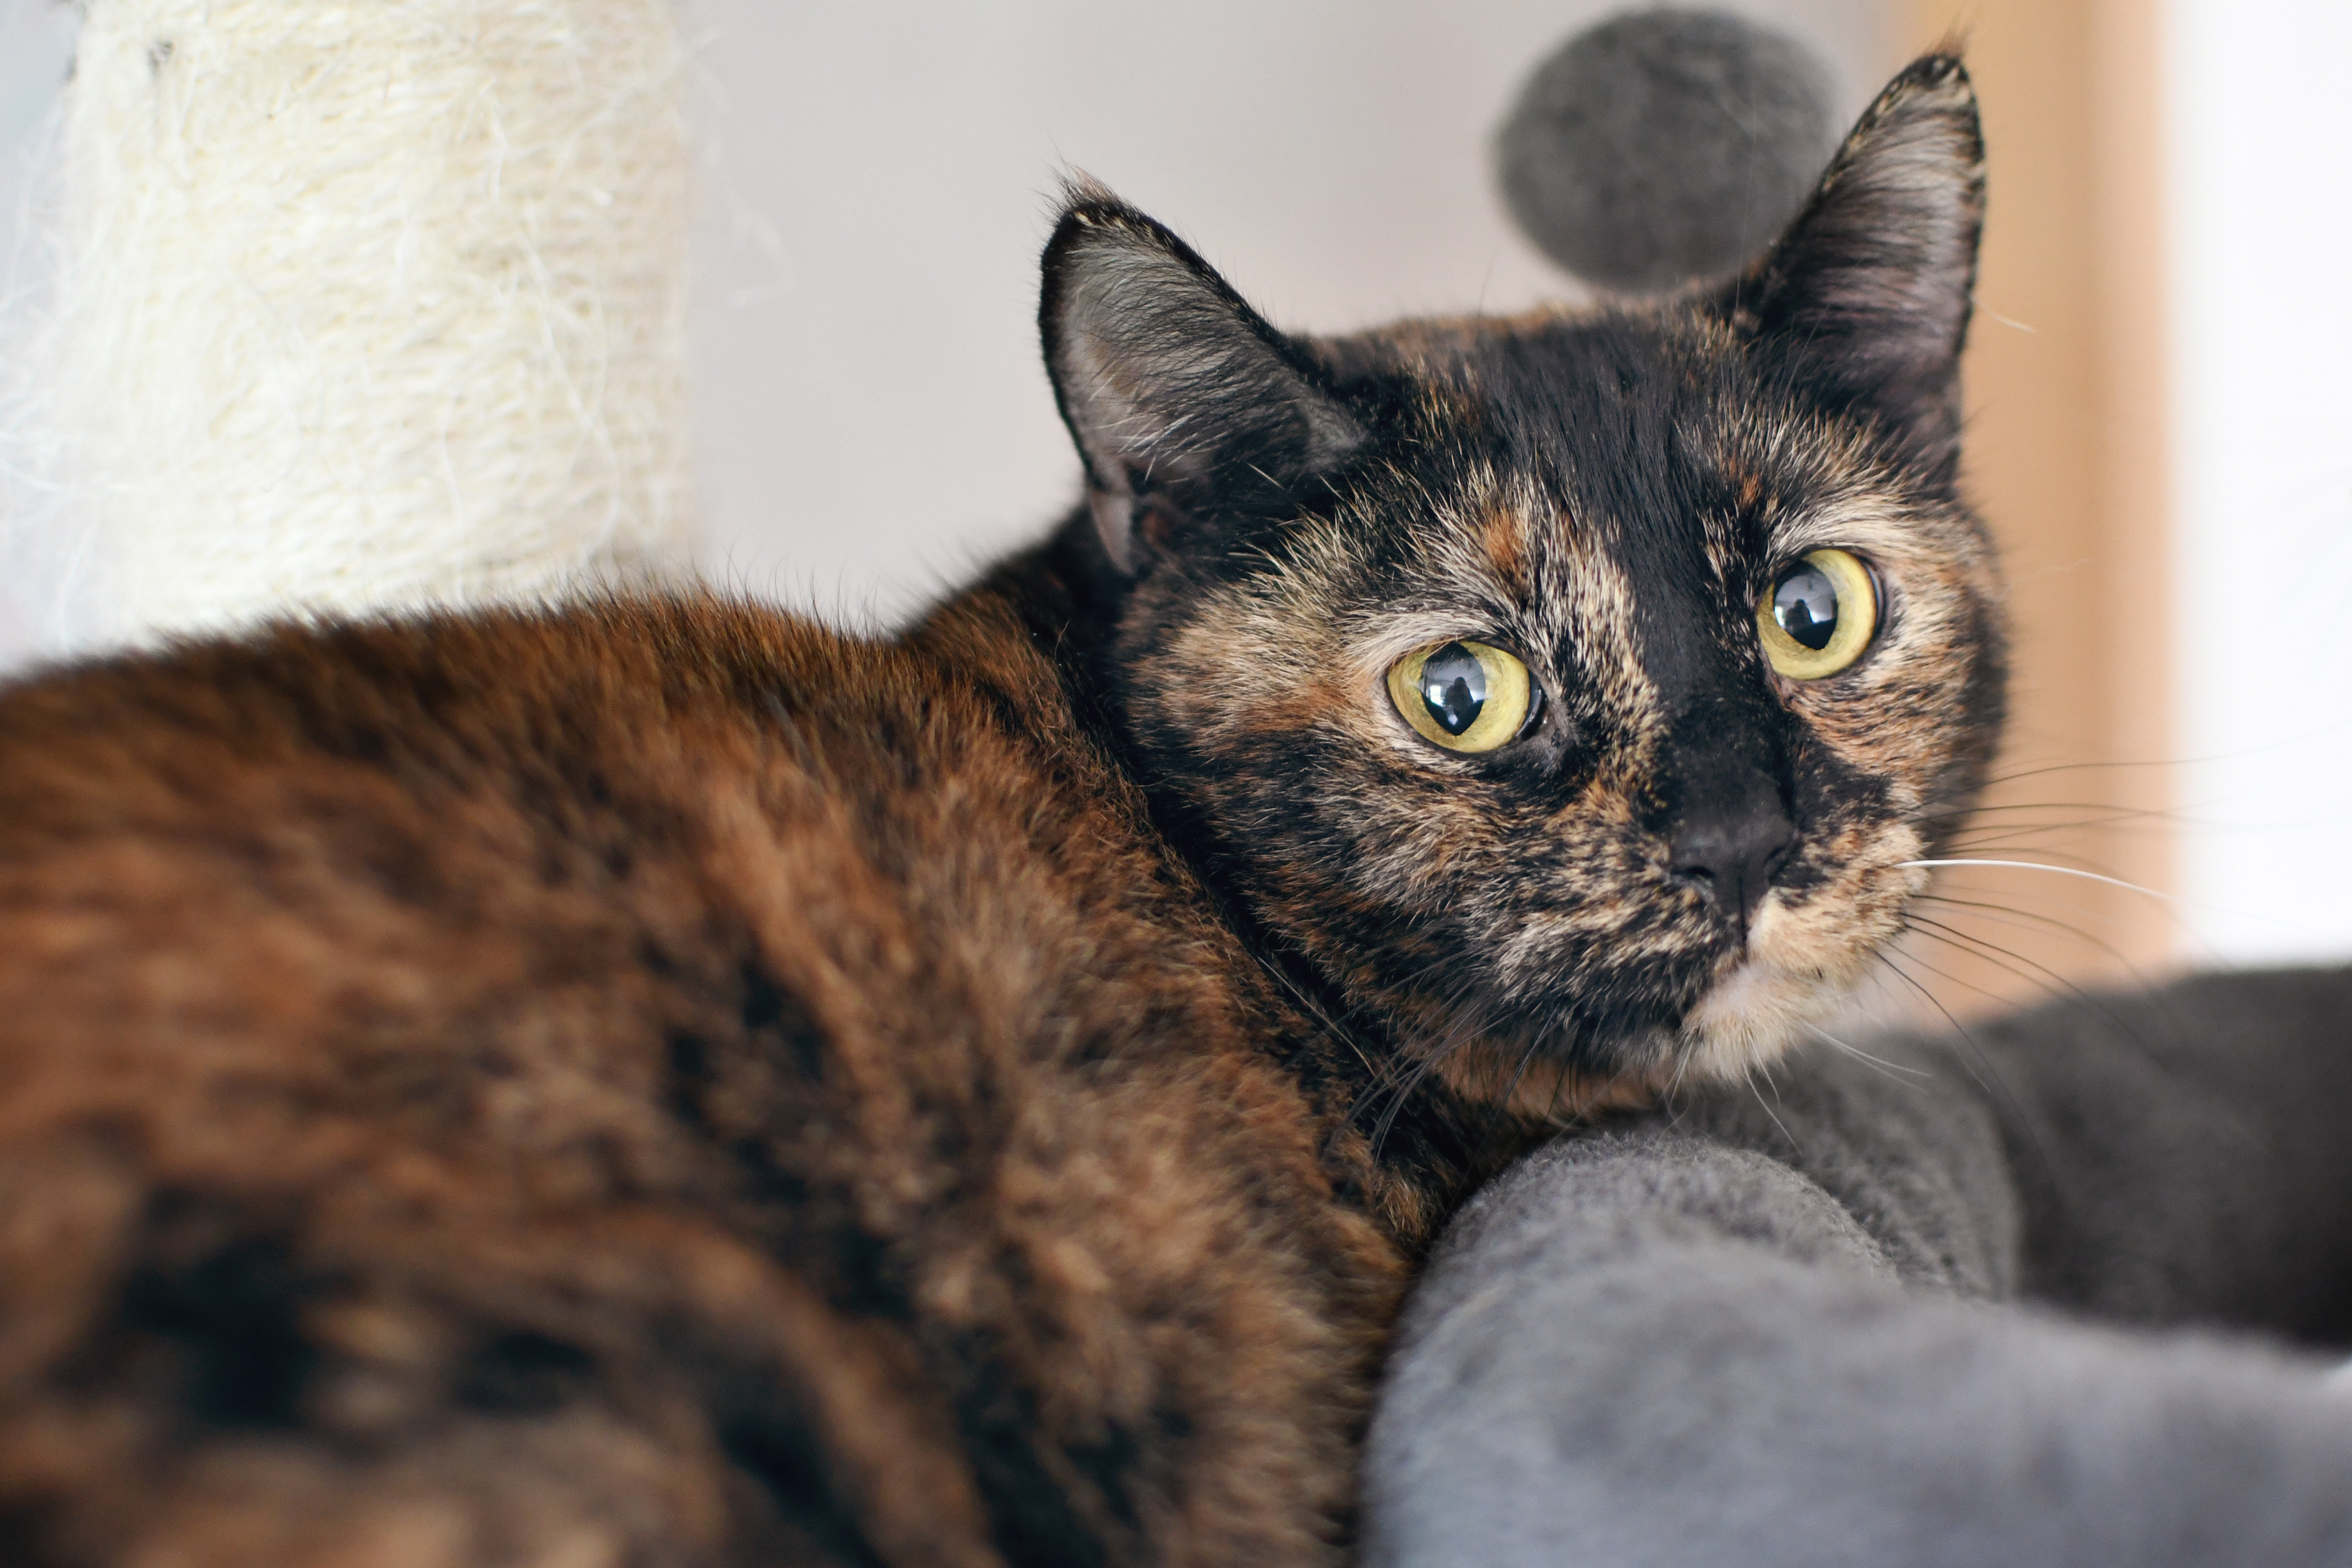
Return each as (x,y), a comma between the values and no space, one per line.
(1730,856)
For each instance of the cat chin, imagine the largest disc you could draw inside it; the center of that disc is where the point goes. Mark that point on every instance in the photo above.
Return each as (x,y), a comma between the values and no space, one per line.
(1801,964)
(1748,1018)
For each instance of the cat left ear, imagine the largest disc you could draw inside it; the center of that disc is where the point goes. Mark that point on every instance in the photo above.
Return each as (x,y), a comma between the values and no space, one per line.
(1868,293)
(1184,402)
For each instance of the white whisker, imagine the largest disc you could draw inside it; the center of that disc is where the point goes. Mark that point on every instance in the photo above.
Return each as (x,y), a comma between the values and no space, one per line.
(2185,907)
(2054,870)
(1860,1055)
(1749,1072)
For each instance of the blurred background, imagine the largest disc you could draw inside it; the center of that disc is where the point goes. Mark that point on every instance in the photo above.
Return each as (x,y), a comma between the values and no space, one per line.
(2161,417)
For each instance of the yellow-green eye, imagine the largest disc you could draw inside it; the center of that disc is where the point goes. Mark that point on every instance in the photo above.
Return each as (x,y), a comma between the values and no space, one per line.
(1819,615)
(1463,696)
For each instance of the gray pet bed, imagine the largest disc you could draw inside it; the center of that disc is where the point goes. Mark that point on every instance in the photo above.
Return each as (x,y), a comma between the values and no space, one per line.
(2021,1302)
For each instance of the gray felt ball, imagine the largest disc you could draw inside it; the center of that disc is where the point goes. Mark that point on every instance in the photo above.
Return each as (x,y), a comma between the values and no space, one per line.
(1664,145)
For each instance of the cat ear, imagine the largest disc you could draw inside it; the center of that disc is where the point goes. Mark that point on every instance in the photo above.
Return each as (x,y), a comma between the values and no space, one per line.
(1868,291)
(1182,400)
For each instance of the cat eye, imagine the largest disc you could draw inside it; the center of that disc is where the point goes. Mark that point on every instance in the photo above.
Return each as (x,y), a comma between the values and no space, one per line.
(1463,696)
(1819,615)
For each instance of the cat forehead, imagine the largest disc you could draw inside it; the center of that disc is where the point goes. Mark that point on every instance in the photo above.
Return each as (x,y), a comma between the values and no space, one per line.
(1642,445)
(1627,424)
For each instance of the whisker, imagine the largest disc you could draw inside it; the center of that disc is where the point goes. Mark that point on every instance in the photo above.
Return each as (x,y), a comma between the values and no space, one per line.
(1403,1092)
(2057,985)
(1886,1069)
(2002,806)
(1961,980)
(2053,870)
(1395,1080)
(1748,1073)
(2015,917)
(2015,827)
(1502,1107)
(2180,910)
(2023,836)
(1462,1028)
(1674,1089)
(1999,1085)
(1559,1085)
(2050,847)
(2061,840)
(1932,1000)
(2053,983)
(1995,780)
(2055,817)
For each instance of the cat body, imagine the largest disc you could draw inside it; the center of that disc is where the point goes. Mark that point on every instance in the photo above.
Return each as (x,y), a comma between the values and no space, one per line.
(662,1083)
(518,1071)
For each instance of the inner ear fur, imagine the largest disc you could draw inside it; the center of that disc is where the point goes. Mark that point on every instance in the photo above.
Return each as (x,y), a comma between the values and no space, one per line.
(1183,401)
(1866,296)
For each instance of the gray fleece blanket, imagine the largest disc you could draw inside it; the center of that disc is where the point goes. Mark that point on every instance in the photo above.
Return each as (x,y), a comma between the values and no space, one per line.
(2067,1292)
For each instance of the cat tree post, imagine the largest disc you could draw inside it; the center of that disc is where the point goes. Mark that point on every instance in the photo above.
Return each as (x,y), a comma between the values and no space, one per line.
(365,306)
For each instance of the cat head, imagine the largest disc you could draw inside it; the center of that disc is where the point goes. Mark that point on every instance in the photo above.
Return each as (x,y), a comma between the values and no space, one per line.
(1580,688)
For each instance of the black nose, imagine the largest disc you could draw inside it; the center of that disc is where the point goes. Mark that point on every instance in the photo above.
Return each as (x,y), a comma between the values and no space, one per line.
(1730,856)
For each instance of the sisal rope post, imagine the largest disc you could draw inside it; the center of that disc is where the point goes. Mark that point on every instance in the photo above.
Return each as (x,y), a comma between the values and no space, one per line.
(365,305)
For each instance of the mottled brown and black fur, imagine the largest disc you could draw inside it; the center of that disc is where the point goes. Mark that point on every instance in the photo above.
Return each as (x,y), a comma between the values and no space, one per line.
(1607,494)
(664,1083)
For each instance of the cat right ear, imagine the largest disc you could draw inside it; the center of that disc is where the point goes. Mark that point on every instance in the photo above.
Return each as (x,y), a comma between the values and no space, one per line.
(1185,404)
(1868,292)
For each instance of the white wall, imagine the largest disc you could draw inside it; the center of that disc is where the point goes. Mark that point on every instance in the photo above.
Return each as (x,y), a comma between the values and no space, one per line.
(2261,224)
(36,48)
(874,415)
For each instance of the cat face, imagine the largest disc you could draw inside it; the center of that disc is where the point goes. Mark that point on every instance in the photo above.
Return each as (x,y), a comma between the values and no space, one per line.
(1577,689)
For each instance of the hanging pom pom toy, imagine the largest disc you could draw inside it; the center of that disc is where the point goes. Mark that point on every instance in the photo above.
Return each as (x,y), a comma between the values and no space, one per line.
(1664,145)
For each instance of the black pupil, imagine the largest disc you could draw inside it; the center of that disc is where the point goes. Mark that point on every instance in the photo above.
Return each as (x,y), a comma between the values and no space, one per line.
(1804,603)
(1454,687)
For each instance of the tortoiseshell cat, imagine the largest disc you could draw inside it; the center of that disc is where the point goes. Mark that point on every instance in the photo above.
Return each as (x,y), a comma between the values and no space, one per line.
(665,1083)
